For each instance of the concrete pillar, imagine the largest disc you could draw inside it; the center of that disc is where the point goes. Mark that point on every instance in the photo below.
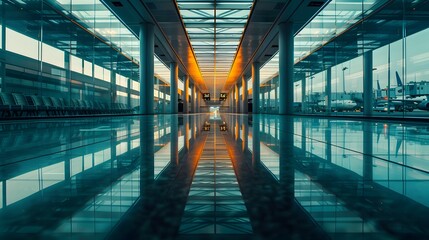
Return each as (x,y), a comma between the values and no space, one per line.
(328,90)
(286,67)
(158,102)
(192,99)
(128,91)
(164,101)
(4,194)
(303,92)
(255,87)
(3,46)
(237,98)
(244,97)
(186,97)
(263,103)
(367,84)
(197,100)
(231,101)
(174,78)
(269,100)
(147,41)
(68,75)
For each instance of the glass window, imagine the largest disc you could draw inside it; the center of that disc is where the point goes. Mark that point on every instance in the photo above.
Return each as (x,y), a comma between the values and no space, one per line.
(87,67)
(21,44)
(76,64)
(52,55)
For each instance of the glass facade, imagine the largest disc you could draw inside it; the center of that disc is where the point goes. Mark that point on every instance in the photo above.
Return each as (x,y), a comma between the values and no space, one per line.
(330,61)
(75,50)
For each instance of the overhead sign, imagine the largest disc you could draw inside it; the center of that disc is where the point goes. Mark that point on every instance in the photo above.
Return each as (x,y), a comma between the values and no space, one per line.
(206,96)
(222,96)
(206,126)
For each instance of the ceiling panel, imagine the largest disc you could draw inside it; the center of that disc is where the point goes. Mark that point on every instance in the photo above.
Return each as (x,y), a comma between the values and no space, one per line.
(214,29)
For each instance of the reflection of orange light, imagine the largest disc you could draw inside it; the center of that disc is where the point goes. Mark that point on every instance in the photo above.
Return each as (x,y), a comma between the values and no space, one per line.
(195,72)
(236,70)
(186,136)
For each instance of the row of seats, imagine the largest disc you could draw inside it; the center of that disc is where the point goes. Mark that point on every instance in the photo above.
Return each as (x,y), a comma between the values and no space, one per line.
(16,105)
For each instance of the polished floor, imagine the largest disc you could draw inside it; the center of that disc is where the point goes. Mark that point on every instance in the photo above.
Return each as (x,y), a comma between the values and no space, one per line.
(213,177)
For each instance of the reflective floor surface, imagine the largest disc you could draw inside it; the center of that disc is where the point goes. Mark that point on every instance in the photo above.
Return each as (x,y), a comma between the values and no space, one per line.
(213,177)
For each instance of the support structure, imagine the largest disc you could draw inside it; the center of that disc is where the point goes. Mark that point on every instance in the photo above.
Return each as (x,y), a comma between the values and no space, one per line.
(244,97)
(303,94)
(197,101)
(245,133)
(255,87)
(367,84)
(237,98)
(192,99)
(186,95)
(174,78)
(328,90)
(286,67)
(263,110)
(147,42)
(233,100)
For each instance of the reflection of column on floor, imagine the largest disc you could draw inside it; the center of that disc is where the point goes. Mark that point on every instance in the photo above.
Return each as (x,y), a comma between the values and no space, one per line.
(367,151)
(237,129)
(276,129)
(186,125)
(174,138)
(304,136)
(256,155)
(244,136)
(113,143)
(328,141)
(237,98)
(193,125)
(287,157)
(147,153)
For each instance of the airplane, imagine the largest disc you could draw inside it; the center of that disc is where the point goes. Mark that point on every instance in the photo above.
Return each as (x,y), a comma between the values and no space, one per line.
(407,98)
(399,102)
(423,105)
(339,105)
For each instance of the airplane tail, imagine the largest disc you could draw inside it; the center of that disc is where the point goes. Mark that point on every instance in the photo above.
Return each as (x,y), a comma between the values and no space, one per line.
(398,79)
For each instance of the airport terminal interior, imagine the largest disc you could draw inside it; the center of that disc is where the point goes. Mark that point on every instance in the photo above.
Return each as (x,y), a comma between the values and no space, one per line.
(214,119)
